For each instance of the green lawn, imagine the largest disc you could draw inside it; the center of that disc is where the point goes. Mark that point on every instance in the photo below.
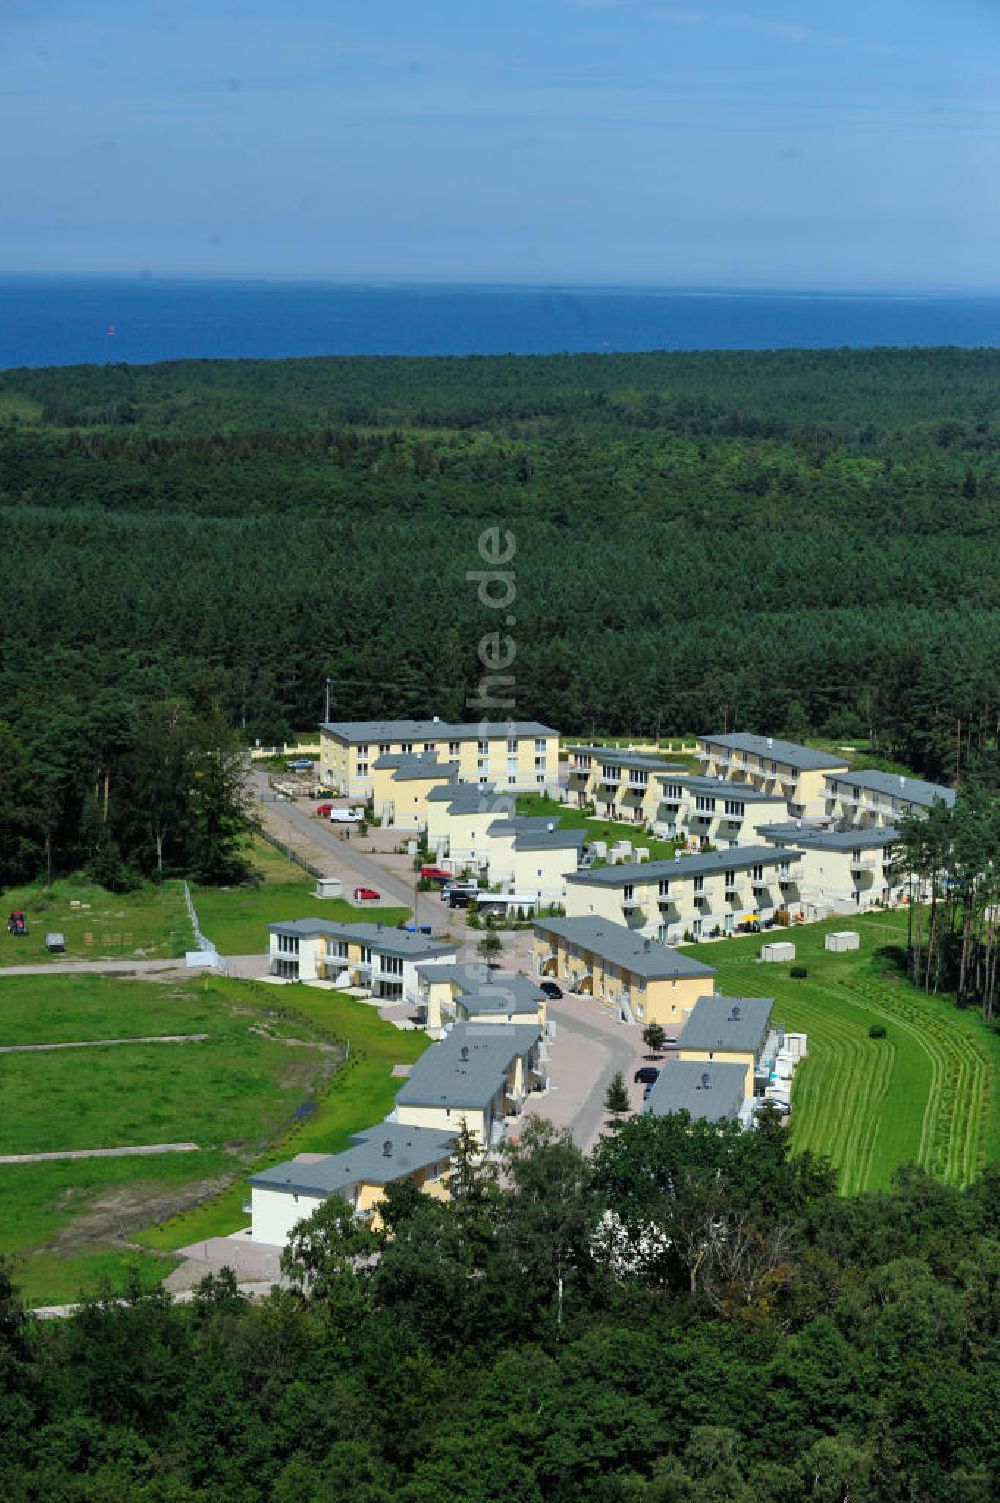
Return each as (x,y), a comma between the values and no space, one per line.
(235,919)
(150,922)
(236,1095)
(569,818)
(927,1093)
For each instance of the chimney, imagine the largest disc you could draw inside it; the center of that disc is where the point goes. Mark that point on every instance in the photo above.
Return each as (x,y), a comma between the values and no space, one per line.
(706,1082)
(770,741)
(387,1148)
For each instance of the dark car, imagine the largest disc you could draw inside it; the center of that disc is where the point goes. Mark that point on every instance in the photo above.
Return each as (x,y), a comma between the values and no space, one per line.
(647,1075)
(551,990)
(458,899)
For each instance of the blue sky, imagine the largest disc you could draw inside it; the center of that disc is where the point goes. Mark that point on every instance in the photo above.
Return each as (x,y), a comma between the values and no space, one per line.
(620,141)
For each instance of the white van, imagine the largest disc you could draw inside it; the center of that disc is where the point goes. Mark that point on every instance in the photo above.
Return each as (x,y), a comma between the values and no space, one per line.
(346,816)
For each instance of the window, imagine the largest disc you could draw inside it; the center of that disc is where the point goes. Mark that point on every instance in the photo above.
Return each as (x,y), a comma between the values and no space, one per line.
(540,777)
(699,884)
(363,750)
(730,879)
(540,744)
(454,748)
(362,769)
(428,746)
(696,927)
(512,777)
(672,793)
(758,873)
(628,892)
(406,746)
(383,749)
(483,748)
(390,965)
(664,887)
(539,761)
(512,748)
(704,805)
(735,808)
(366,955)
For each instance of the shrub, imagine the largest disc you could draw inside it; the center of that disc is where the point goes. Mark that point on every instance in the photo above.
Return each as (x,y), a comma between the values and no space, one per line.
(799,972)
(877,1031)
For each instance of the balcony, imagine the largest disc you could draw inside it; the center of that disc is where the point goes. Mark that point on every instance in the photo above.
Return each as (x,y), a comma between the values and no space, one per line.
(610,779)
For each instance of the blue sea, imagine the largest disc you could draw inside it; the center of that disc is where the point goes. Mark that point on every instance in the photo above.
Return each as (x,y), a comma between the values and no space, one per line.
(48,320)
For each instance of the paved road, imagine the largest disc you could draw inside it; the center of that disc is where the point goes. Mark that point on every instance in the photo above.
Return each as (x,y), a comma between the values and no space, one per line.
(182,1297)
(364,870)
(590,1045)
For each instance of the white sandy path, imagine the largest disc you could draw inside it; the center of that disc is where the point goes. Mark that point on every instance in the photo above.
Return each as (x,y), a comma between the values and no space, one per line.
(154,1038)
(98,1153)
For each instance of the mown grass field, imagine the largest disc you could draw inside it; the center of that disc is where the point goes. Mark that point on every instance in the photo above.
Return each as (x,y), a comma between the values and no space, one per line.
(149,923)
(235,1094)
(928,1093)
(569,818)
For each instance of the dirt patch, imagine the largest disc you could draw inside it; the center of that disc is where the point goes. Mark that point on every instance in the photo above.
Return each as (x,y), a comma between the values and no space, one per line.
(130,1207)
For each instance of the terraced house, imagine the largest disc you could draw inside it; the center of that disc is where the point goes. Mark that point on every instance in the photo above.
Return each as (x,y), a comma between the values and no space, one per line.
(621,784)
(699,896)
(880,798)
(459,816)
(714,811)
(732,1030)
(840,870)
(639,978)
(521,755)
(476,1077)
(797,773)
(382,960)
(473,993)
(385,1154)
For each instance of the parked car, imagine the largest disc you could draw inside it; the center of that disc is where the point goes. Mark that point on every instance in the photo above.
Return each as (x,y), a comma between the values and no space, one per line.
(550,989)
(647,1075)
(366,895)
(325,810)
(436,872)
(300,764)
(347,816)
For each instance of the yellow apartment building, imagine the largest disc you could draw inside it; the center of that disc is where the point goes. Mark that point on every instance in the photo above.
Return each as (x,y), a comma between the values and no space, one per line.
(519,755)
(705,811)
(382,960)
(731,1030)
(621,784)
(640,979)
(841,870)
(880,798)
(703,896)
(386,1154)
(797,773)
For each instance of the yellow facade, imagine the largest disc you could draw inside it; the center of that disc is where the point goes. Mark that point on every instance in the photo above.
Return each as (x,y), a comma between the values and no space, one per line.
(519,760)
(804,789)
(403,801)
(433,1180)
(666,1000)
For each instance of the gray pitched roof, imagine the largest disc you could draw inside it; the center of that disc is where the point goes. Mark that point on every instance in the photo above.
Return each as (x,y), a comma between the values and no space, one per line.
(615,756)
(410,1149)
(461,790)
(621,946)
(913,790)
(433,730)
(468,1066)
(740,1024)
(490,991)
(409,767)
(549,840)
(708,1091)
(383,940)
(803,758)
(521,824)
(725,788)
(813,839)
(739,858)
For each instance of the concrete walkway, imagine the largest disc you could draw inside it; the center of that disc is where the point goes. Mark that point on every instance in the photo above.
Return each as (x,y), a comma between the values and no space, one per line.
(98,1153)
(153,1038)
(123,967)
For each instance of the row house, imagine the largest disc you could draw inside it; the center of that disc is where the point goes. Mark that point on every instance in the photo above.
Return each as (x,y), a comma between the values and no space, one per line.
(471,992)
(714,811)
(621,784)
(476,1077)
(640,979)
(387,1154)
(841,869)
(796,773)
(519,755)
(701,896)
(402,785)
(381,960)
(880,798)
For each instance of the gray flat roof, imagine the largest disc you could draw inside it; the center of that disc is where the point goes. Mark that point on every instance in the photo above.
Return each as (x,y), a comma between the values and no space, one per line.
(708,1091)
(616,756)
(549,840)
(913,790)
(738,858)
(726,788)
(521,824)
(460,790)
(731,1023)
(410,1149)
(384,939)
(433,730)
(621,946)
(804,758)
(468,1066)
(831,840)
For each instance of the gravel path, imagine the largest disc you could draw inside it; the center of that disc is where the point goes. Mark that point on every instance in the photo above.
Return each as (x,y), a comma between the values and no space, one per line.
(98,1153)
(96,967)
(153,1038)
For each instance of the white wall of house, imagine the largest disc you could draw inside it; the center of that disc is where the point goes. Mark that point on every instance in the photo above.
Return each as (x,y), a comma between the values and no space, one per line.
(274,1213)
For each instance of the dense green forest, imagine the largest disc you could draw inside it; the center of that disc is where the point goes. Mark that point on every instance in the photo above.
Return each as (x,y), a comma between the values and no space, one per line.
(783,542)
(687,1317)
